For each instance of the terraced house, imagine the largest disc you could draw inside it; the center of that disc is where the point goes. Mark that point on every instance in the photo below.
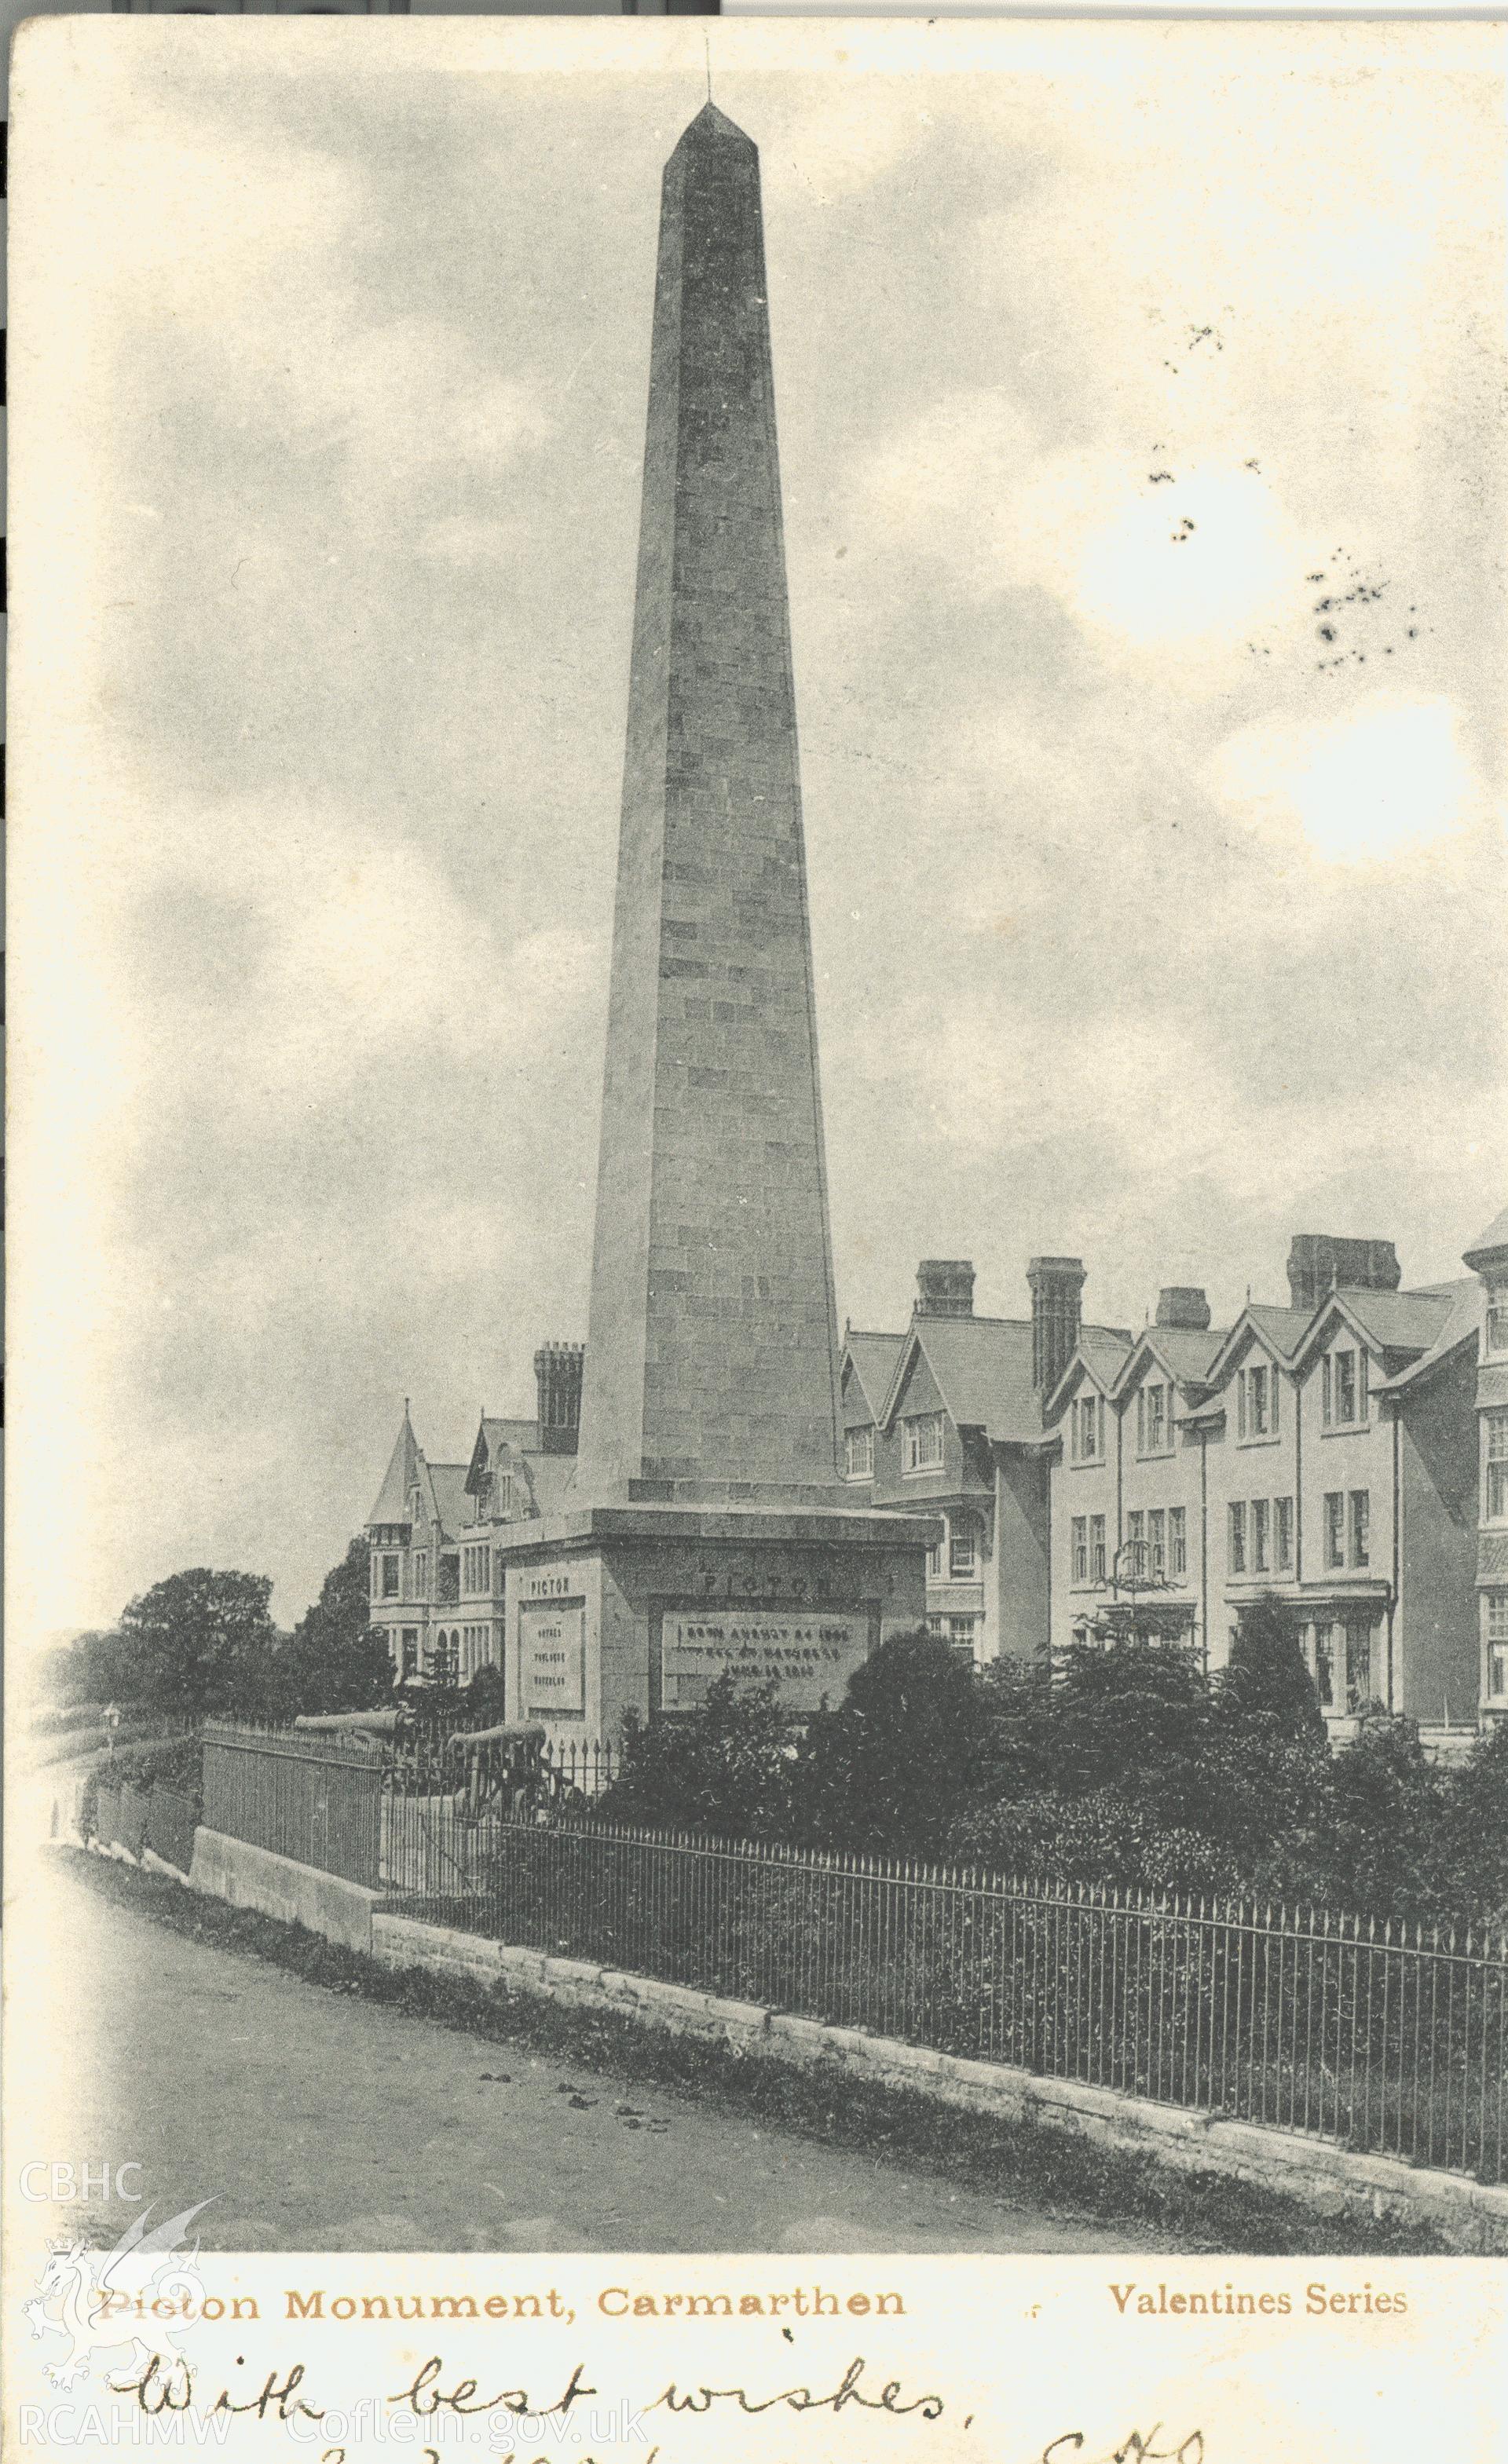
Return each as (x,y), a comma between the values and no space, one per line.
(1326,1453)
(1487,1258)
(947,1419)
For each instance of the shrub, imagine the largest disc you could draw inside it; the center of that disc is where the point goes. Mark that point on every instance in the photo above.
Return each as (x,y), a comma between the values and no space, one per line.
(1103,1835)
(1377,1844)
(1472,1833)
(724,1768)
(1265,1675)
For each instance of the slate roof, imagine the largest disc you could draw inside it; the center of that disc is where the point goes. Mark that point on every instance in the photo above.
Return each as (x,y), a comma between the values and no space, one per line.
(1283,1328)
(874,1357)
(1399,1321)
(392,1498)
(1188,1352)
(1495,1237)
(1462,1321)
(983,1369)
(549,1478)
(448,1489)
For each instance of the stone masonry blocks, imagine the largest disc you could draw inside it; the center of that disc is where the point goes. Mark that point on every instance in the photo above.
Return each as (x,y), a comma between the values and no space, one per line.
(713,1334)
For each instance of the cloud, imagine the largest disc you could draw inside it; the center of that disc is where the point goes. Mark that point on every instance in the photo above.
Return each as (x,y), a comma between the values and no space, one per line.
(263,935)
(1389,778)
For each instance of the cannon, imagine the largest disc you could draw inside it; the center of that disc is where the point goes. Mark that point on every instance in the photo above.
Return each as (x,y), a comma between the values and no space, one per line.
(506,1770)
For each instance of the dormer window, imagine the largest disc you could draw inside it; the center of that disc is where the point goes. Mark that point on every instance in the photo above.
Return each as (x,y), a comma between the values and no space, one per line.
(1153,1419)
(921,1442)
(1088,1428)
(1256,1394)
(1344,1388)
(1496,1343)
(859,1453)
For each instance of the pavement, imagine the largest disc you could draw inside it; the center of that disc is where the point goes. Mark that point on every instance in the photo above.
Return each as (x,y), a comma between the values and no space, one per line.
(313,2119)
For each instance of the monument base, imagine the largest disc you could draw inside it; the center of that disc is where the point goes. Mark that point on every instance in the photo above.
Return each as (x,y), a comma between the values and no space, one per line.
(640,1607)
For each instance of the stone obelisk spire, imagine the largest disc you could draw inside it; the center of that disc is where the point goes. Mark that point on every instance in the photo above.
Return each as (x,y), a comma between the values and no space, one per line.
(712,1346)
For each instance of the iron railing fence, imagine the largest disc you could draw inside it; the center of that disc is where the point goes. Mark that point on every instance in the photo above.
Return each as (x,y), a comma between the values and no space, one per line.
(315,1797)
(1384,2037)
(440,1757)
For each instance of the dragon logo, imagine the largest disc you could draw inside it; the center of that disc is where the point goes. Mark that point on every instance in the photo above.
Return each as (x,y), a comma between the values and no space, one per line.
(87,2296)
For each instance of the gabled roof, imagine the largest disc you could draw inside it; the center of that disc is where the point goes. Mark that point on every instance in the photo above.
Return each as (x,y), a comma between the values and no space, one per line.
(874,1357)
(1184,1351)
(1461,1324)
(1099,1356)
(545,1477)
(1281,1330)
(494,1434)
(982,1367)
(392,1498)
(447,1487)
(1495,1237)
(1407,1322)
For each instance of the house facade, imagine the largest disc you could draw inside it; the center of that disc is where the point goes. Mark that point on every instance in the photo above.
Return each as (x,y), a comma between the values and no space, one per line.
(1488,1258)
(946,1421)
(1324,1454)
(438,1580)
(1345,1453)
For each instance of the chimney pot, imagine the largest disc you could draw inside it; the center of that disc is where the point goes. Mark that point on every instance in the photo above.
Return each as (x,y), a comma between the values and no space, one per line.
(1318,1262)
(945,1288)
(558,1373)
(1182,1305)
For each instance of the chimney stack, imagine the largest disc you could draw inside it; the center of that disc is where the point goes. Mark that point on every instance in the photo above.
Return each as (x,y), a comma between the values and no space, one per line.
(945,1288)
(1182,1305)
(557,1370)
(1056,1284)
(1318,1262)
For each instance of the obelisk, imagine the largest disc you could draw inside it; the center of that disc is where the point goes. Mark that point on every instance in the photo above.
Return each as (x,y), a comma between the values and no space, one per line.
(711,1355)
(707,1533)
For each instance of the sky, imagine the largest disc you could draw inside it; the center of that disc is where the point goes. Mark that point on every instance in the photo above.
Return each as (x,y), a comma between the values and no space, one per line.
(1140,401)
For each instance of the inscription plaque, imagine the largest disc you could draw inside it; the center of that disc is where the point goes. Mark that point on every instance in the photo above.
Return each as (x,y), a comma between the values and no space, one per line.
(553,1637)
(808,1655)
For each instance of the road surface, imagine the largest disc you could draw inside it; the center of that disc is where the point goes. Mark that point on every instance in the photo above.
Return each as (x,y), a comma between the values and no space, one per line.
(318,2120)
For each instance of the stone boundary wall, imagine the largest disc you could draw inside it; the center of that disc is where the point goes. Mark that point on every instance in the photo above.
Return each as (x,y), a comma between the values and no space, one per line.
(278,1886)
(1469,2216)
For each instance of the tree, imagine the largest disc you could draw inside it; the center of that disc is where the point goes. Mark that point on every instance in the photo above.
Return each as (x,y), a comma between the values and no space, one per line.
(335,1660)
(202,1642)
(1266,1673)
(1133,1716)
(90,1668)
